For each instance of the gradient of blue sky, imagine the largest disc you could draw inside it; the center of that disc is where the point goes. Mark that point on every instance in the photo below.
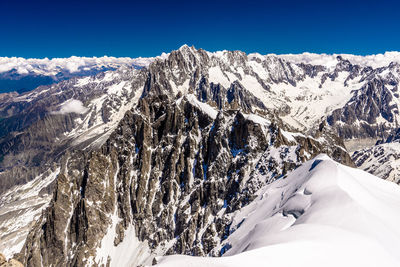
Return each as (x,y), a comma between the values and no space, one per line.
(147,28)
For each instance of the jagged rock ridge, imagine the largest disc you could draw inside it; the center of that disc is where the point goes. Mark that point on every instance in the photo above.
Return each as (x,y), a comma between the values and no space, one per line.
(173,173)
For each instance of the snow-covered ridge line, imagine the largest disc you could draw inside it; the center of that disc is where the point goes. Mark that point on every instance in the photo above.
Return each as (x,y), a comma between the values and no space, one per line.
(327,60)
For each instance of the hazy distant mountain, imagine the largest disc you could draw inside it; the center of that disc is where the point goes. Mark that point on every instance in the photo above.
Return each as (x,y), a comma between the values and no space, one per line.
(21,75)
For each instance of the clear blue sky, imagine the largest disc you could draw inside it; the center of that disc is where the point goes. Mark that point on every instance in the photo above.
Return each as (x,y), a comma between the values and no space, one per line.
(147,28)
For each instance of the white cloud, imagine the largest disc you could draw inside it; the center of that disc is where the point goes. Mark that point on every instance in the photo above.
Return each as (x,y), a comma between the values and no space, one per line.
(72,64)
(72,106)
(374,61)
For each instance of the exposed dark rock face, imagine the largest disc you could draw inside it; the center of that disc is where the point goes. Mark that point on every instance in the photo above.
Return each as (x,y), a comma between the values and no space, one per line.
(394,137)
(373,110)
(33,134)
(173,172)
(26,154)
(367,104)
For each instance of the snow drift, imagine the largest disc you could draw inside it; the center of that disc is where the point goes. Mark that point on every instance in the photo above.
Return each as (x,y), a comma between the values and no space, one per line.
(322,214)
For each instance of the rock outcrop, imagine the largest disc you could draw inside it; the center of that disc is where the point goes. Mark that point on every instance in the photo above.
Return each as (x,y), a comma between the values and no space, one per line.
(173,171)
(10,262)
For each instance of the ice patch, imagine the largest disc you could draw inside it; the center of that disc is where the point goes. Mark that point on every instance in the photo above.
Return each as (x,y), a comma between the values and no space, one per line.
(202,106)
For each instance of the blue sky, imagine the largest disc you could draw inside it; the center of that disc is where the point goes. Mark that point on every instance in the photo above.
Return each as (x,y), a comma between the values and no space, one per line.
(147,28)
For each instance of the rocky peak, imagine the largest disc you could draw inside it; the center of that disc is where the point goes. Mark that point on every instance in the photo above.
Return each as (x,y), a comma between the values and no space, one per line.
(346,65)
(170,175)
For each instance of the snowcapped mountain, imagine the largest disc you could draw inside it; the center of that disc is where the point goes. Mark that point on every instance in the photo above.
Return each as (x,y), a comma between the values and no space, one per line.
(322,214)
(158,160)
(21,75)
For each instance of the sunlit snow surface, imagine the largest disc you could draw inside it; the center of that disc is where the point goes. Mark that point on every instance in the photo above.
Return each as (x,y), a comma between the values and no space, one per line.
(322,214)
(20,207)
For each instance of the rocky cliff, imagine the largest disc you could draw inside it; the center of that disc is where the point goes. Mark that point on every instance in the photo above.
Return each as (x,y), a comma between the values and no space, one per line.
(173,171)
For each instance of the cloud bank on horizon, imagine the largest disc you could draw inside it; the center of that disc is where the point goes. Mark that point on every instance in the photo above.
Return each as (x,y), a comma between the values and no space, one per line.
(74,64)
(374,61)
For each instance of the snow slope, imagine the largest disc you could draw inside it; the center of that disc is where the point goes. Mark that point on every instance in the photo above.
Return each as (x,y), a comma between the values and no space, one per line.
(322,214)
(19,207)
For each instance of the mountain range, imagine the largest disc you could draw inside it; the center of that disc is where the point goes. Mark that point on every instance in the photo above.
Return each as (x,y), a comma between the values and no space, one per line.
(204,154)
(22,75)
